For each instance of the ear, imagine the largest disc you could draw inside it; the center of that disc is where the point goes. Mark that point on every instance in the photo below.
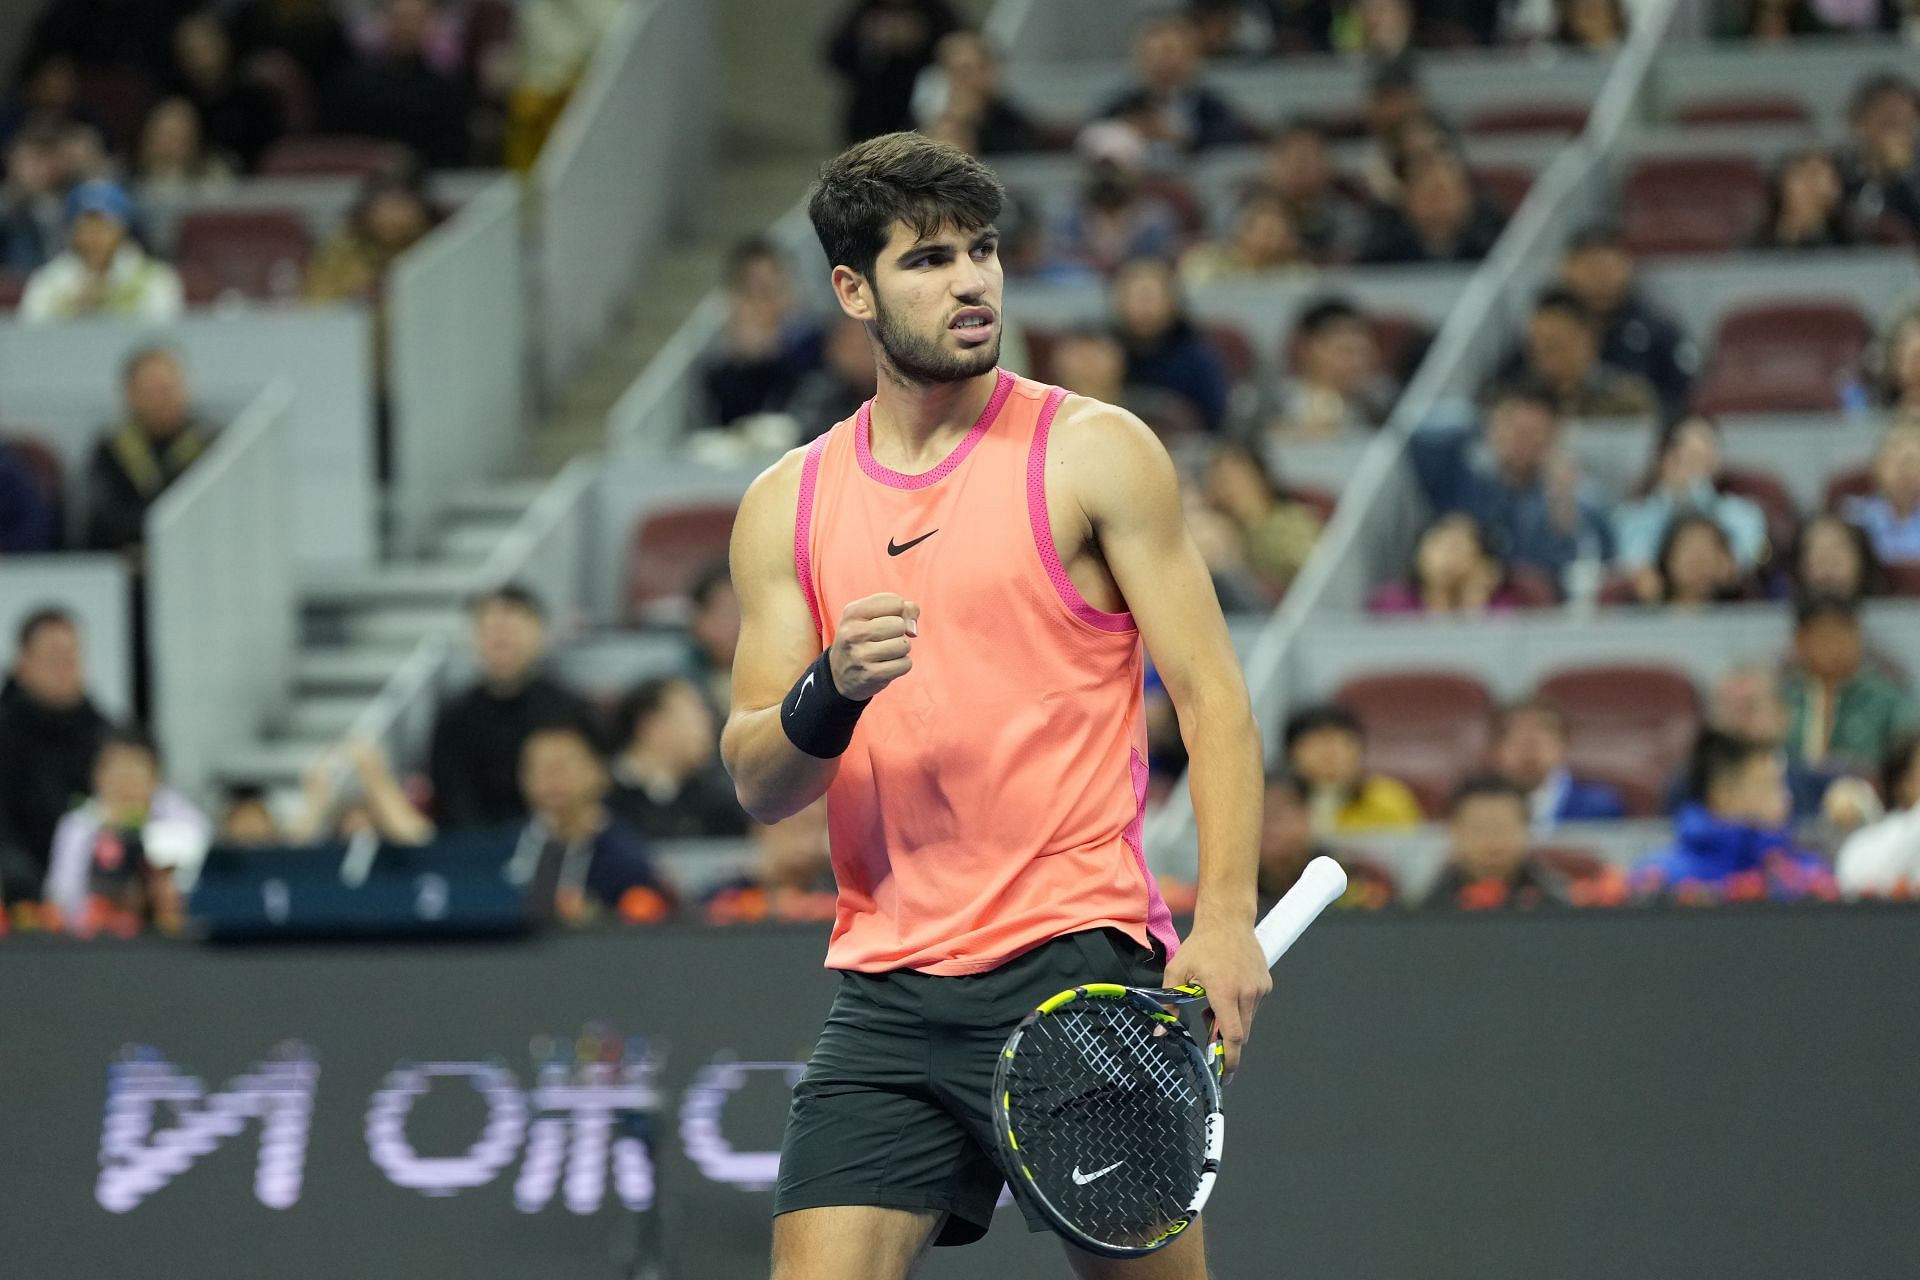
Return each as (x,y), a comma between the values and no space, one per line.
(855,295)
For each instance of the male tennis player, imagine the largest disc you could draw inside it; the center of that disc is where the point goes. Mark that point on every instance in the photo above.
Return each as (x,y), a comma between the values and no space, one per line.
(943,602)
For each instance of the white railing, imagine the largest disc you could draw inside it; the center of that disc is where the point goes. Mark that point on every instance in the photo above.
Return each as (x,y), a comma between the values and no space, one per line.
(220,592)
(457,328)
(628,161)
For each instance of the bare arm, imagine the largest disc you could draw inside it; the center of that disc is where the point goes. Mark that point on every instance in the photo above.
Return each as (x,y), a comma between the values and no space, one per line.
(394,816)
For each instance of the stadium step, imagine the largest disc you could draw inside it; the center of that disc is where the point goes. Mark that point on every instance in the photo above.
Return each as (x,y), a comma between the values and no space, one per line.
(273,763)
(504,501)
(417,582)
(360,669)
(325,716)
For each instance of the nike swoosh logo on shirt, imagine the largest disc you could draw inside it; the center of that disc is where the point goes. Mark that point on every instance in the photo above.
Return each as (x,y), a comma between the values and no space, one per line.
(1082,1179)
(910,544)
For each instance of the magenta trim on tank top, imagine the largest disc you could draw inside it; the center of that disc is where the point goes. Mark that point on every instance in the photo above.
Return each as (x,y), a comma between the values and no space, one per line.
(1159,915)
(803,527)
(862,442)
(1043,527)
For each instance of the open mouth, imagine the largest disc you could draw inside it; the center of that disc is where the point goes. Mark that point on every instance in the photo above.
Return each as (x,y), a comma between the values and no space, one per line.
(974,323)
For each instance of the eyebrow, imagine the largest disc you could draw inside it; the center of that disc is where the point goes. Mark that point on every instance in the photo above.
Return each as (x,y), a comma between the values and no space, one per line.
(925,246)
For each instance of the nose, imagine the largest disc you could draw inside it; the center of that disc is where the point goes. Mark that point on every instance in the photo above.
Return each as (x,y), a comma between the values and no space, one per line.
(969,280)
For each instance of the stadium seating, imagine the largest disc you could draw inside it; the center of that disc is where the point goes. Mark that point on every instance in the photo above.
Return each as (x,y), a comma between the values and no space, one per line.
(1783,357)
(1429,729)
(1567,118)
(1692,204)
(1625,722)
(331,157)
(669,547)
(1742,109)
(261,253)
(1765,491)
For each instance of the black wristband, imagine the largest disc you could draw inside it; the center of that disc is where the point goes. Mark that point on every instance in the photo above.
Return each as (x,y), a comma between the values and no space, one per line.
(817,717)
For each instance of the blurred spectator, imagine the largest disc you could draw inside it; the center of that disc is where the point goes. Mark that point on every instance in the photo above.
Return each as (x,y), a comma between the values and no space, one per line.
(1090,361)
(174,160)
(32,223)
(1169,106)
(390,215)
(29,521)
(1299,170)
(394,91)
(1381,30)
(1832,557)
(1394,97)
(103,271)
(1806,209)
(1276,535)
(770,343)
(1900,366)
(667,780)
(382,808)
(1264,244)
(713,633)
(1777,21)
(247,820)
(1164,347)
(1525,493)
(307,31)
(1562,354)
(1453,572)
(1747,702)
(1112,216)
(1880,167)
(128,855)
(1843,711)
(580,863)
(959,98)
(1419,137)
(792,876)
(1323,744)
(1301,26)
(845,380)
(1287,845)
(1339,387)
(1635,337)
(237,115)
(880,48)
(1592,26)
(104,35)
(1488,867)
(155,443)
(1238,28)
(1530,753)
(1684,480)
(49,734)
(555,43)
(1891,515)
(1732,842)
(1439,218)
(1695,566)
(478,734)
(1883,860)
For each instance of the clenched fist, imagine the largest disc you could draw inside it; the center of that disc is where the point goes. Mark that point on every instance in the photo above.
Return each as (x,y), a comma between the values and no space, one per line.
(874,644)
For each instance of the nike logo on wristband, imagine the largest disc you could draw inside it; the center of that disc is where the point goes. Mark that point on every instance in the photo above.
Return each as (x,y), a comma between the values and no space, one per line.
(910,544)
(800,694)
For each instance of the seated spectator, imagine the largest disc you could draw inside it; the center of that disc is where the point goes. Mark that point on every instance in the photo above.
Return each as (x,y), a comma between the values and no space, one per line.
(103,271)
(1453,572)
(1883,860)
(1694,567)
(1832,557)
(960,99)
(127,856)
(1237,28)
(1778,21)
(770,343)
(1300,26)
(307,31)
(879,48)
(845,380)
(792,878)
(395,91)
(1380,30)
(1488,867)
(1169,106)
(1394,97)
(1635,336)
(1592,26)
(1165,349)
(1732,842)
(579,862)
(29,521)
(1526,493)
(1684,481)
(102,35)
(49,736)
(1420,137)
(1844,712)
(1299,170)
(1806,210)
(478,735)
(1748,702)
(1562,354)
(1288,844)
(1263,245)
(1900,367)
(1530,752)
(32,224)
(1339,388)
(1090,361)
(713,633)
(247,820)
(390,215)
(136,462)
(1276,535)
(237,115)
(668,783)
(1880,166)
(1440,218)
(1891,516)
(1113,217)
(174,159)
(1323,744)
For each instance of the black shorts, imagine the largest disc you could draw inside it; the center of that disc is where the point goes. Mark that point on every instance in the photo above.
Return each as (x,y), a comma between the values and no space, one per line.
(893,1110)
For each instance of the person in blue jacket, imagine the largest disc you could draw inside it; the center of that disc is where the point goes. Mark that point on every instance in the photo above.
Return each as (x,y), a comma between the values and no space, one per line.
(1530,751)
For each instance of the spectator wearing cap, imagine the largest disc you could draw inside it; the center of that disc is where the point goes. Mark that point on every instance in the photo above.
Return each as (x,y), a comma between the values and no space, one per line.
(1324,745)
(770,343)
(1530,753)
(1635,336)
(30,208)
(1439,217)
(1489,867)
(1168,105)
(1288,844)
(157,440)
(1880,165)
(1684,480)
(103,271)
(49,732)
(1843,712)
(1339,388)
(1165,349)
(1890,515)
(475,760)
(577,860)
(667,780)
(880,47)
(960,98)
(1561,353)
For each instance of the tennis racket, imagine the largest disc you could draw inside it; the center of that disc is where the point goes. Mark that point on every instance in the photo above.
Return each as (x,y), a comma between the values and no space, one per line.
(1110,1111)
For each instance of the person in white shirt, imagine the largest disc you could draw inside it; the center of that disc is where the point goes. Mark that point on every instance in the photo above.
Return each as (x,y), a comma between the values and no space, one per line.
(103,271)
(1882,860)
(132,851)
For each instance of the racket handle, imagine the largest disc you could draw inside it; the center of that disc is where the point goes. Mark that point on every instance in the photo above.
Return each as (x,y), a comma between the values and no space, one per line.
(1315,890)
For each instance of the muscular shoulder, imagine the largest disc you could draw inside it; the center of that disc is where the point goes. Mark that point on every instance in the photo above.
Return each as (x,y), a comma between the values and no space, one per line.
(1106,457)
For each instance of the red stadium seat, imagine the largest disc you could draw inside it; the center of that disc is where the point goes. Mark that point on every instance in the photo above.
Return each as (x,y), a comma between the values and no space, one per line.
(1903,578)
(338,157)
(669,547)
(1765,491)
(12,286)
(1625,721)
(1567,118)
(1504,184)
(1787,357)
(1231,344)
(1429,729)
(200,283)
(1743,108)
(1856,483)
(262,253)
(1692,204)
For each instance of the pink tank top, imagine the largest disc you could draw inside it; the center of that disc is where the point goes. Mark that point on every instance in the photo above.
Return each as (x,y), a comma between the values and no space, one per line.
(992,797)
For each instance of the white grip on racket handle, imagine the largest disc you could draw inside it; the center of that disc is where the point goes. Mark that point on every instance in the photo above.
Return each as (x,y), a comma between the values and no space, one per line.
(1315,890)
